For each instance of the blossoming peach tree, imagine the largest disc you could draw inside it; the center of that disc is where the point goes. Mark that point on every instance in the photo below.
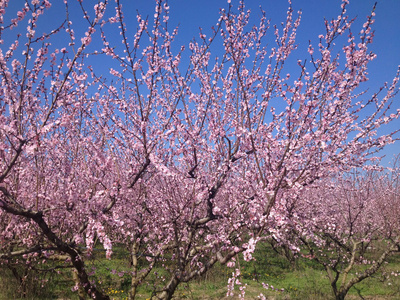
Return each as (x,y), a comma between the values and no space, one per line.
(182,152)
(349,225)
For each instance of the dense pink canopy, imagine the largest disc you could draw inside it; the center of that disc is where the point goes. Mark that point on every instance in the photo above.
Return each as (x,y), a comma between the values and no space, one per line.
(194,157)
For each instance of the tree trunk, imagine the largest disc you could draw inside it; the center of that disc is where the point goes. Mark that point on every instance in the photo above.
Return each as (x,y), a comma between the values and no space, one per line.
(340,295)
(76,259)
(170,289)
(135,279)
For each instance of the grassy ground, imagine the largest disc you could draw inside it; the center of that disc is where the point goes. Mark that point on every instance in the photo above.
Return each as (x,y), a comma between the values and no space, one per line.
(307,281)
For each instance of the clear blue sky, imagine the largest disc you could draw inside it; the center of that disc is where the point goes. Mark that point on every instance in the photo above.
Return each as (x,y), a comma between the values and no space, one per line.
(192,14)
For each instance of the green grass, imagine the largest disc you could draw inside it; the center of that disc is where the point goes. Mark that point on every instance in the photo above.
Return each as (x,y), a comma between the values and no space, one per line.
(306,281)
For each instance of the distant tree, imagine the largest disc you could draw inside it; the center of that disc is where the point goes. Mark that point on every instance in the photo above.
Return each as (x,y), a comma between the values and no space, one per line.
(180,161)
(352,221)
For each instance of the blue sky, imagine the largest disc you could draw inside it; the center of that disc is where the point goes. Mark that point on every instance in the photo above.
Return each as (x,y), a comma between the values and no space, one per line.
(192,14)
